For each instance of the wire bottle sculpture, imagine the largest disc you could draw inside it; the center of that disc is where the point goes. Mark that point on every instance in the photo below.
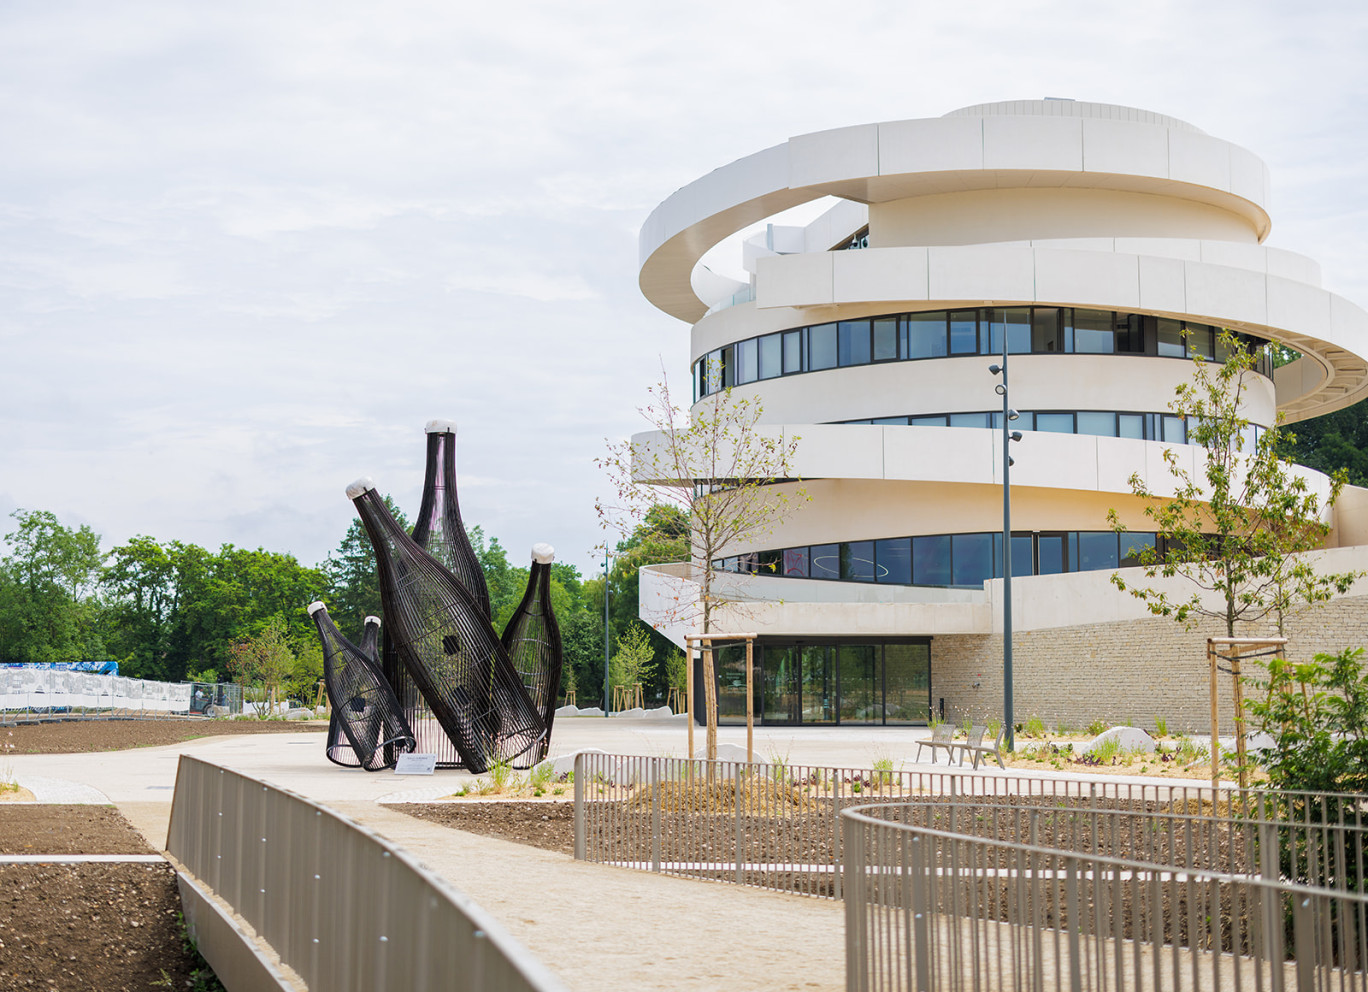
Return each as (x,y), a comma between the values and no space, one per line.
(363,704)
(532,640)
(448,646)
(339,749)
(439,530)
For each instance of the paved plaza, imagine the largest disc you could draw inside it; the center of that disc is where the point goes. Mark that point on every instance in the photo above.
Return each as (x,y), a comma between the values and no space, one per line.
(598,927)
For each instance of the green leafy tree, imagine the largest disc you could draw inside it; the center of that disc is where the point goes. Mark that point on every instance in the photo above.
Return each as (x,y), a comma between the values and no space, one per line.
(634,661)
(720,471)
(1238,525)
(1336,442)
(140,582)
(48,608)
(506,581)
(582,652)
(1317,714)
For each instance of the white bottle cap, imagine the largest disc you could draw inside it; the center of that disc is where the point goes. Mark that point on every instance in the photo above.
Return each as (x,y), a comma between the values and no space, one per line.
(372,620)
(360,486)
(440,427)
(543,554)
(315,606)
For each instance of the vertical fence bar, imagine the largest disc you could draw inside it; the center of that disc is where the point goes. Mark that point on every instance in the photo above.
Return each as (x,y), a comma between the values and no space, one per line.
(581,834)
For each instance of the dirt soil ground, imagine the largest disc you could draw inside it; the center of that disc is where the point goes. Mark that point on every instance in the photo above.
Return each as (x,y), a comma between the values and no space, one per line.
(84,736)
(548,825)
(111,927)
(68,830)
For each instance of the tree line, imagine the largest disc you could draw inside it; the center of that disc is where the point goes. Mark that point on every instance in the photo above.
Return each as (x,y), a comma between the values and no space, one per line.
(175,611)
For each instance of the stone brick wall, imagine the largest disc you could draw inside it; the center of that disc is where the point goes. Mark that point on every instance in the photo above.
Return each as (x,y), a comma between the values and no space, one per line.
(1128,670)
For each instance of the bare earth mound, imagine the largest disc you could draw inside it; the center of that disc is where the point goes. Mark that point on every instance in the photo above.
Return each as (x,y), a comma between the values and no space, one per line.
(546,825)
(107,927)
(84,736)
(68,830)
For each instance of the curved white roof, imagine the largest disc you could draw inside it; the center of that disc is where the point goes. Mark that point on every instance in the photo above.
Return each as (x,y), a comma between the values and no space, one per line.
(1058,145)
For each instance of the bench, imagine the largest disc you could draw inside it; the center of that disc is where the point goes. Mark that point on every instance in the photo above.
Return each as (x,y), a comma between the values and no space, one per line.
(973,746)
(942,735)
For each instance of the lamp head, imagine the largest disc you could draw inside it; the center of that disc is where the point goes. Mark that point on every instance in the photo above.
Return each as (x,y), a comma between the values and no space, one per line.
(995,369)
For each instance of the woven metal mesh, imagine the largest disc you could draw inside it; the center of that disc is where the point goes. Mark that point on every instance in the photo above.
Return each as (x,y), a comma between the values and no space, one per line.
(440,532)
(363,704)
(438,528)
(450,650)
(532,640)
(339,749)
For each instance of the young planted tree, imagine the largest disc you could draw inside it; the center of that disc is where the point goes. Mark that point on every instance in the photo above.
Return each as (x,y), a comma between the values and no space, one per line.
(634,662)
(1238,524)
(720,470)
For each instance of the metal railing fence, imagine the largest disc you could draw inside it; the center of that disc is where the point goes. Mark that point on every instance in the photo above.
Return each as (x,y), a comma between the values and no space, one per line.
(341,907)
(777,826)
(951,894)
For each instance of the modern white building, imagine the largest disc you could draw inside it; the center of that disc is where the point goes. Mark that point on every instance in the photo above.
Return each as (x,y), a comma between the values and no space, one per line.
(1109,245)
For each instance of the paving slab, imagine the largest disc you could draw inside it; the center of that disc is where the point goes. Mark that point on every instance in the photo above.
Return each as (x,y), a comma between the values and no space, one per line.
(604,928)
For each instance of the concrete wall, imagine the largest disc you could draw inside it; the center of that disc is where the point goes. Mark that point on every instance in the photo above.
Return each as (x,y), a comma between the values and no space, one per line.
(1133,670)
(983,216)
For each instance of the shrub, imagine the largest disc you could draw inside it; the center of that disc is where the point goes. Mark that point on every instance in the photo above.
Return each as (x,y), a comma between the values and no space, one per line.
(1317,714)
(1034,727)
(1160,727)
(1096,727)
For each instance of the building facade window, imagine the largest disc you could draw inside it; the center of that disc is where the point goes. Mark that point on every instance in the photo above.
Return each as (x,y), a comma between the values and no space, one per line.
(852,682)
(943,334)
(956,561)
(1166,427)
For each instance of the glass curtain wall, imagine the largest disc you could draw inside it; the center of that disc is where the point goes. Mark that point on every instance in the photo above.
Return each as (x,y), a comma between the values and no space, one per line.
(866,683)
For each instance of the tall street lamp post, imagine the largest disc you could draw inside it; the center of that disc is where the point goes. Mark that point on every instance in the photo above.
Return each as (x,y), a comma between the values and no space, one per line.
(607,629)
(1008,436)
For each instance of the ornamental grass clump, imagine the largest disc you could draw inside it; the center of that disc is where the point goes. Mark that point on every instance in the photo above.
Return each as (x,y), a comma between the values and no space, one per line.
(755,795)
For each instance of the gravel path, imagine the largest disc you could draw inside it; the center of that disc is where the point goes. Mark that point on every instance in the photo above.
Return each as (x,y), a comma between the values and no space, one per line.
(603,929)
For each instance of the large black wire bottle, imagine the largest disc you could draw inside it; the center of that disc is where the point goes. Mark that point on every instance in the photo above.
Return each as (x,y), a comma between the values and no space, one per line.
(532,640)
(438,529)
(446,643)
(363,704)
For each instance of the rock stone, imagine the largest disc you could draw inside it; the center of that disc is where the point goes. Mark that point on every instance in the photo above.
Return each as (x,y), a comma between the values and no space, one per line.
(1132,740)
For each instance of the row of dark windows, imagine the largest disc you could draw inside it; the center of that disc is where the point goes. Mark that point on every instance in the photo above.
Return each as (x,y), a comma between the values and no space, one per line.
(949,560)
(1167,427)
(947,334)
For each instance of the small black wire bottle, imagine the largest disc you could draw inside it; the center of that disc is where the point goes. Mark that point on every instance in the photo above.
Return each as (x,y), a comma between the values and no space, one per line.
(532,640)
(339,749)
(446,643)
(364,707)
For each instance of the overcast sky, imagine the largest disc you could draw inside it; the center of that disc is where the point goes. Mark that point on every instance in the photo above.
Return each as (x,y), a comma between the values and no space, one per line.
(248,249)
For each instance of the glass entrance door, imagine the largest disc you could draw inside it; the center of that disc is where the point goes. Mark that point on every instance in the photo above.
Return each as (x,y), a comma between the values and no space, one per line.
(907,683)
(819,684)
(861,691)
(780,684)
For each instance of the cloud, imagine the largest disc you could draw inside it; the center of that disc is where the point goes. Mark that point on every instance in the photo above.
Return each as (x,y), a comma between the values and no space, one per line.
(247,251)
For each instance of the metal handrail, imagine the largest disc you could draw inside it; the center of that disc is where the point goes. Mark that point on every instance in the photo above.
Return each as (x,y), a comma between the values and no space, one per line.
(931,908)
(780,829)
(339,905)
